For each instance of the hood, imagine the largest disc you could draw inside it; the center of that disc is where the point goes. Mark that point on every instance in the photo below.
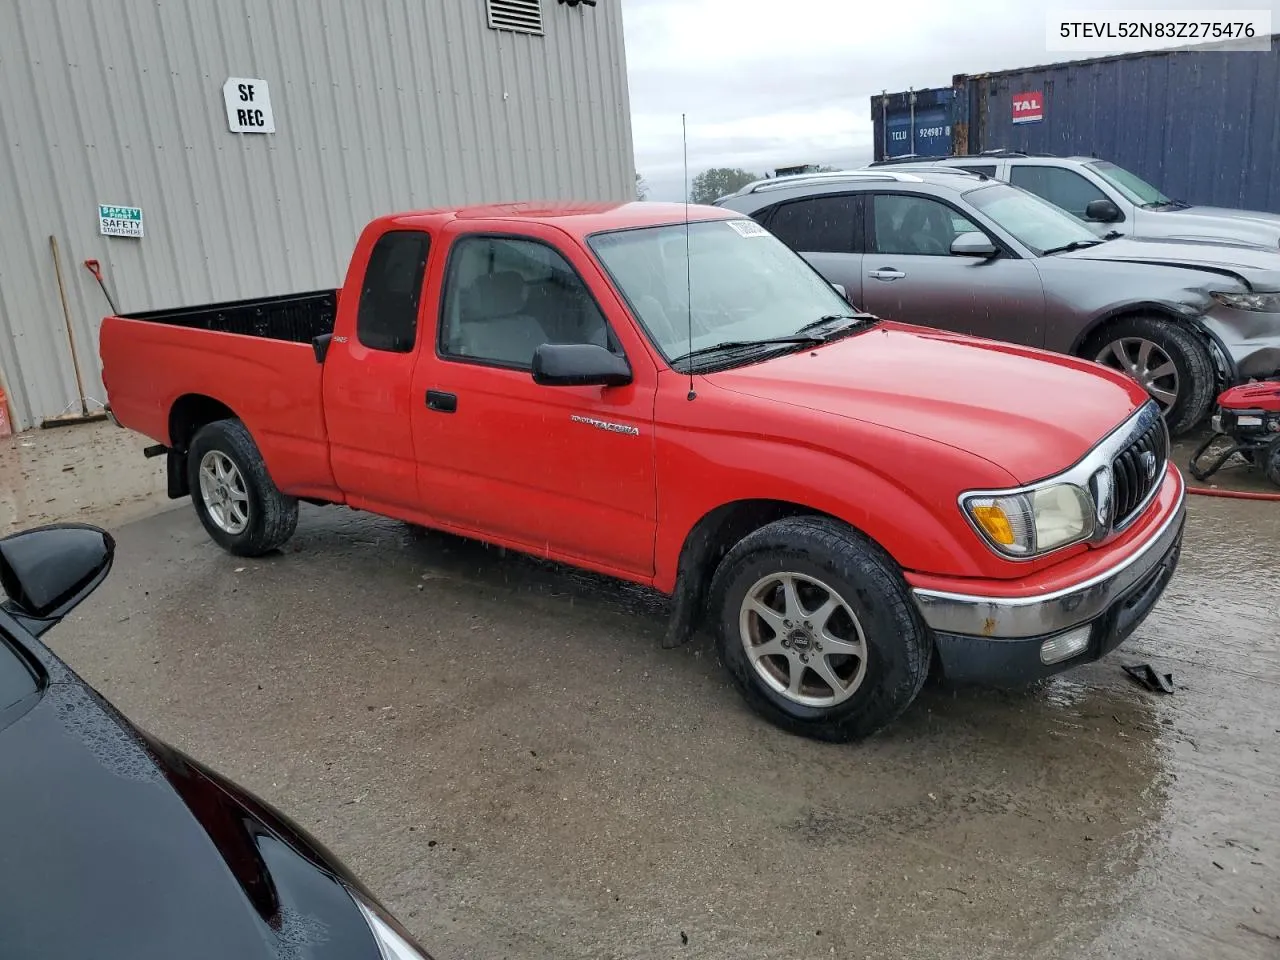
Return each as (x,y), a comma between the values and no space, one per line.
(1255,266)
(1030,412)
(112,844)
(1214,223)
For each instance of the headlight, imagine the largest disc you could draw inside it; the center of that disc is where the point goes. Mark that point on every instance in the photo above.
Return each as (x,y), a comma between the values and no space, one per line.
(1257,302)
(1033,523)
(393,942)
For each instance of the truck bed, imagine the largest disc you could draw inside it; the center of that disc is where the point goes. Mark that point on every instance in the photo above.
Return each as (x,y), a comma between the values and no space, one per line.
(252,357)
(293,317)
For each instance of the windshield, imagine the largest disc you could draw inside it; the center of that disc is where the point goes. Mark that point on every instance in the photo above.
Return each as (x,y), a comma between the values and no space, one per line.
(1130,184)
(1035,223)
(746,284)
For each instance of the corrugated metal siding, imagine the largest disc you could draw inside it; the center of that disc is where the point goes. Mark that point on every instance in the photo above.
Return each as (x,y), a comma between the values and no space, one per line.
(1201,125)
(379,106)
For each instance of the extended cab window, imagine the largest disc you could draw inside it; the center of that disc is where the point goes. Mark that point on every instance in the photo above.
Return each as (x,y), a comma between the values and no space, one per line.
(388,315)
(917,226)
(816,225)
(986,169)
(1063,188)
(504,297)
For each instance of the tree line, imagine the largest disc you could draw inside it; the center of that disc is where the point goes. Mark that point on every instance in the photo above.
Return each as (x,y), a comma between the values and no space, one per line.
(711,185)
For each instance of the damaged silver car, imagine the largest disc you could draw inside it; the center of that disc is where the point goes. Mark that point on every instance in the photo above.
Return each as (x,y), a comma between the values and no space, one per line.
(946,248)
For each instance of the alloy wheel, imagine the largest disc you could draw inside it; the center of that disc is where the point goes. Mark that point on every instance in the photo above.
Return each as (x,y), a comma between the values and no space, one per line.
(1147,363)
(803,640)
(223,491)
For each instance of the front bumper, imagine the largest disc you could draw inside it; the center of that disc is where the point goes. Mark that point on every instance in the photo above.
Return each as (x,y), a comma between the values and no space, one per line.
(998,640)
(1249,341)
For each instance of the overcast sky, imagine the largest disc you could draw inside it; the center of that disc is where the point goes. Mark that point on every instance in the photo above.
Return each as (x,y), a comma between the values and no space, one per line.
(768,83)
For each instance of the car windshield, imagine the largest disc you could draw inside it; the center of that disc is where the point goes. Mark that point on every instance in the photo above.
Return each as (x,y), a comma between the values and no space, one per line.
(1035,223)
(733,283)
(1130,184)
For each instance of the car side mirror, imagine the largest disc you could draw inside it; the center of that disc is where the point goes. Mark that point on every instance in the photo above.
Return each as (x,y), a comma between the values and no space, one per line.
(579,365)
(839,288)
(1102,211)
(48,571)
(973,244)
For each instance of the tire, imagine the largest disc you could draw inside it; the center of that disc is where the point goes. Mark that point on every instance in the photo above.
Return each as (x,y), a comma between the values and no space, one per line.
(1270,457)
(237,501)
(874,614)
(1134,344)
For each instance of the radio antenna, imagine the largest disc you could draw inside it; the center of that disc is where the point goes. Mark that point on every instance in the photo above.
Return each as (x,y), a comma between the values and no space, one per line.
(688,258)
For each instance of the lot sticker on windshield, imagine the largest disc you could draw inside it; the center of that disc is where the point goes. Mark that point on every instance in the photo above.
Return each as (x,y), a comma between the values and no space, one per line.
(748,228)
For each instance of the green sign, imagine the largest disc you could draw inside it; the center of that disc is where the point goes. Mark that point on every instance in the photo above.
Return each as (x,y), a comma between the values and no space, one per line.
(119,221)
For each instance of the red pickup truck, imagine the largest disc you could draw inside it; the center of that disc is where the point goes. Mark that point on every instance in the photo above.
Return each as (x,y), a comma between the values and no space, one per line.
(848,502)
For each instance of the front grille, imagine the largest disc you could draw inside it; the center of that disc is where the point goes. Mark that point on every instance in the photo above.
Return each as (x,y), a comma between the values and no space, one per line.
(1134,482)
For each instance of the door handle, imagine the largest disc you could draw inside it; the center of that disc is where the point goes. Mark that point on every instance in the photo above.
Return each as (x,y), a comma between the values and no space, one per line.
(886,273)
(441,401)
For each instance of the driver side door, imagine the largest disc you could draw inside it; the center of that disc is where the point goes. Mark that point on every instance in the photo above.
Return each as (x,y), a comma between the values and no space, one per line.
(910,274)
(561,471)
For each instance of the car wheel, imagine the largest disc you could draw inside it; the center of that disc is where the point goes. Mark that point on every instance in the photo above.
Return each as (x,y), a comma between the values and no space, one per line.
(817,629)
(234,495)
(1171,363)
(1271,461)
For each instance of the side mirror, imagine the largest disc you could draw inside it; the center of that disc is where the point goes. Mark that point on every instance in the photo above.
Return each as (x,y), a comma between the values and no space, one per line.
(579,365)
(48,571)
(1102,211)
(973,244)
(839,288)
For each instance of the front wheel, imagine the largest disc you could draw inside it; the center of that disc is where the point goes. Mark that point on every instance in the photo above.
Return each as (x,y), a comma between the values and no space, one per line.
(1170,362)
(818,631)
(235,498)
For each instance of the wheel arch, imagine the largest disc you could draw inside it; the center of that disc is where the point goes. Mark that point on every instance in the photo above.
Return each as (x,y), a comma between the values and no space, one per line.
(706,544)
(189,413)
(1125,311)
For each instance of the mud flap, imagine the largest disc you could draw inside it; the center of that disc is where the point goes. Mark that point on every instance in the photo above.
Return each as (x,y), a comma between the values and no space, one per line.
(681,623)
(176,461)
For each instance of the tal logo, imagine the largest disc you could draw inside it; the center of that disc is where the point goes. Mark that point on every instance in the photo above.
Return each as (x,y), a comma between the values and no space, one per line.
(1028,107)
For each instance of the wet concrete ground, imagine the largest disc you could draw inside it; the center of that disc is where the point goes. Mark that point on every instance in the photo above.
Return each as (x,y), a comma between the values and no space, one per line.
(500,748)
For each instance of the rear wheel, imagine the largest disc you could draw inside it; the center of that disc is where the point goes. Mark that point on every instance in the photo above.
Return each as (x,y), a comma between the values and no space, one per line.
(1170,362)
(234,496)
(817,630)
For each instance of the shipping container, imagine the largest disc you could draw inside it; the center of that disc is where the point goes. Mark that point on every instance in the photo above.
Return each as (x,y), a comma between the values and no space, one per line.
(1203,125)
(915,123)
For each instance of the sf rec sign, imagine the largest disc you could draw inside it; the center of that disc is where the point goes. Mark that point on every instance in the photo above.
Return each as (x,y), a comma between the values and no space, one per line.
(248,103)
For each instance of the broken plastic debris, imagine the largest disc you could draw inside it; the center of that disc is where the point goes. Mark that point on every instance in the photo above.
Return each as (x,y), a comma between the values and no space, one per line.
(1147,675)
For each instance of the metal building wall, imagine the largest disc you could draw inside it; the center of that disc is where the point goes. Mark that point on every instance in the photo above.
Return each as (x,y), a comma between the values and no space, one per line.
(379,105)
(1202,125)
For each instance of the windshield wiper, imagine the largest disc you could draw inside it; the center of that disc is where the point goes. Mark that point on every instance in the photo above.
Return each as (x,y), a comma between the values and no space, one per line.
(727,346)
(858,318)
(1073,245)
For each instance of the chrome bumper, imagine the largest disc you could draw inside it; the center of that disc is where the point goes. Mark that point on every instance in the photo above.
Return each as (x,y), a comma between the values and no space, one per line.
(1016,618)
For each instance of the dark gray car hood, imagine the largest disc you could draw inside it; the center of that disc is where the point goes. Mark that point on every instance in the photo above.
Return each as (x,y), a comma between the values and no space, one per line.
(1256,267)
(113,844)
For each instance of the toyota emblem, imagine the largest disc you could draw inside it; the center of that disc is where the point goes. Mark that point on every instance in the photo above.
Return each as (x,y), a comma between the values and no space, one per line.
(1149,464)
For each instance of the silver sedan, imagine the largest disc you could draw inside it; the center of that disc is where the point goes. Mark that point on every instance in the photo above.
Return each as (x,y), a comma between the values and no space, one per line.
(960,251)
